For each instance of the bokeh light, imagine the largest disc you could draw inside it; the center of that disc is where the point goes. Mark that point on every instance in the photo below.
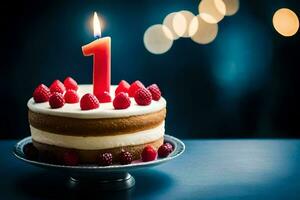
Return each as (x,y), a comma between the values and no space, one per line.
(168,22)
(232,6)
(188,18)
(201,31)
(157,39)
(286,22)
(179,24)
(212,11)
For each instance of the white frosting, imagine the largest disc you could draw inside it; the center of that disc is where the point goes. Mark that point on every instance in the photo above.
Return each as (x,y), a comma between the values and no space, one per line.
(105,110)
(98,142)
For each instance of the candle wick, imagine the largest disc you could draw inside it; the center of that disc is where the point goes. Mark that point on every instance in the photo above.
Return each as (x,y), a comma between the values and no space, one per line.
(97,36)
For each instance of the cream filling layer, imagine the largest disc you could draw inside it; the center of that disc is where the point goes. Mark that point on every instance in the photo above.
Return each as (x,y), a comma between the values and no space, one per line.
(98,142)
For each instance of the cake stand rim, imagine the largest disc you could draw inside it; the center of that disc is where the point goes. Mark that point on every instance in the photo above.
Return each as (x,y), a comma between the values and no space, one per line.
(178,150)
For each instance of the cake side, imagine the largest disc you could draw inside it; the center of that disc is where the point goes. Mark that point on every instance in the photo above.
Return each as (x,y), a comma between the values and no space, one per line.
(95,127)
(103,129)
(98,142)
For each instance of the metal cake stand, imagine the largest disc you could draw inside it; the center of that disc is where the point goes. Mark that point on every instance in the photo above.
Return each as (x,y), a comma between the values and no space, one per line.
(114,177)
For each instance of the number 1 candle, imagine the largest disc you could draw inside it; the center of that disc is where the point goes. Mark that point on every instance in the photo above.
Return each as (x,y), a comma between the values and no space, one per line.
(100,50)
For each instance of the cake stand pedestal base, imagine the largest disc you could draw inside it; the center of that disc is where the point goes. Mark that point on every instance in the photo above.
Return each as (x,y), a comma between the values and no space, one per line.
(105,182)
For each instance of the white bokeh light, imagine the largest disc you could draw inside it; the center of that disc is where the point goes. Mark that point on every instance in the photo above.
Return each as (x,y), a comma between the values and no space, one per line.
(157,39)
(179,24)
(168,22)
(212,11)
(202,32)
(232,6)
(188,18)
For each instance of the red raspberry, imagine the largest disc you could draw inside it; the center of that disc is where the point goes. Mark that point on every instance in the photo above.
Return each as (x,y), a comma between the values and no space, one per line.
(134,87)
(104,98)
(155,91)
(121,101)
(89,102)
(41,94)
(31,151)
(122,87)
(164,151)
(56,100)
(143,97)
(71,96)
(71,158)
(70,84)
(125,157)
(57,86)
(169,146)
(105,159)
(148,154)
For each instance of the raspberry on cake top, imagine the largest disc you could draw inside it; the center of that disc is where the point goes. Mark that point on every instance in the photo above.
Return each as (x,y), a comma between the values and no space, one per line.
(105,110)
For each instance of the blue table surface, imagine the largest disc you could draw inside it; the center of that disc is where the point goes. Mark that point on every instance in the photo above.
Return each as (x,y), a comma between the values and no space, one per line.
(209,169)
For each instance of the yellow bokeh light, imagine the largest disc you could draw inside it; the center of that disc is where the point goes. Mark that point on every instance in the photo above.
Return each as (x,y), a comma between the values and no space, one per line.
(286,22)
(232,6)
(212,11)
(168,22)
(179,24)
(188,18)
(201,31)
(157,39)
(193,28)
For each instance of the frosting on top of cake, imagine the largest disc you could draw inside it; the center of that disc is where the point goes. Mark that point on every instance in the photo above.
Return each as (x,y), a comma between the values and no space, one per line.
(105,110)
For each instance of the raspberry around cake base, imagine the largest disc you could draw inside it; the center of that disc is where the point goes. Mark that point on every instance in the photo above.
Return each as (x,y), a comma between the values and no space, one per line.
(54,154)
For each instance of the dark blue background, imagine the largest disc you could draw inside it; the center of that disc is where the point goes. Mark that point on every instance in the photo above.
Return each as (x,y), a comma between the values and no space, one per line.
(244,84)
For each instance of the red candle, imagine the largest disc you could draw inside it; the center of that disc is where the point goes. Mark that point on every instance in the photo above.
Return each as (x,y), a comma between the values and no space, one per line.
(100,50)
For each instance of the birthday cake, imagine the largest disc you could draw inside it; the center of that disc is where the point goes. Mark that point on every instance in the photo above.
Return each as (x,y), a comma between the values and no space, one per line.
(68,123)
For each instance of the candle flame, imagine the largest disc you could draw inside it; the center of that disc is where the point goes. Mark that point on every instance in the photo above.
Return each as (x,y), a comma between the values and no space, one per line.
(97,27)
